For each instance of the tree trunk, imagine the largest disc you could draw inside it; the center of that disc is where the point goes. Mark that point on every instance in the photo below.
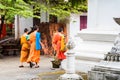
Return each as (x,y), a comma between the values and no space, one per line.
(2,23)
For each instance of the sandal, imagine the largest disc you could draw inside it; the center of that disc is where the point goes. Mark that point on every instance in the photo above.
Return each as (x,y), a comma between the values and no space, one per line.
(31,64)
(21,66)
(36,66)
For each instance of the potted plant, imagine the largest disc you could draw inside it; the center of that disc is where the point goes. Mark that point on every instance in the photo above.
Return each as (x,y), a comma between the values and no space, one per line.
(56,62)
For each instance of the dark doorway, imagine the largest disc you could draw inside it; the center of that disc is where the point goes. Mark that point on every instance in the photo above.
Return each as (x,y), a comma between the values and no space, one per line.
(83,22)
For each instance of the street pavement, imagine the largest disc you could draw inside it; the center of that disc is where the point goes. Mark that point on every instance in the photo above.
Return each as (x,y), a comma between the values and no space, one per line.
(9,69)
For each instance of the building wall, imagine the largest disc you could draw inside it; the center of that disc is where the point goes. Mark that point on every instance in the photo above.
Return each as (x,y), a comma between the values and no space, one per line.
(20,24)
(74,25)
(101,13)
(25,23)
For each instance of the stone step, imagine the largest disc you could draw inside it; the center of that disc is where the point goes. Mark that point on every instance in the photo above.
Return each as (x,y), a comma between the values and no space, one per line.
(86,60)
(94,46)
(97,35)
(84,66)
(95,57)
(92,50)
(90,53)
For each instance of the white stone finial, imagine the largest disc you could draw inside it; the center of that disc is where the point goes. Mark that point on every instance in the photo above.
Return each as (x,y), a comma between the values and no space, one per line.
(70,45)
(70,71)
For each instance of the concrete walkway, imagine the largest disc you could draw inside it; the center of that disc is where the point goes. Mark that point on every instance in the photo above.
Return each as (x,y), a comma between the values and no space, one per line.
(9,69)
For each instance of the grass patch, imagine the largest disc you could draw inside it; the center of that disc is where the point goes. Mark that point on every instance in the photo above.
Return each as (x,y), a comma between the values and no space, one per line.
(54,75)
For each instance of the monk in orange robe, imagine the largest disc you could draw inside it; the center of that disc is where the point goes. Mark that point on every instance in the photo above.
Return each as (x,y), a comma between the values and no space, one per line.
(57,40)
(24,48)
(35,46)
(53,43)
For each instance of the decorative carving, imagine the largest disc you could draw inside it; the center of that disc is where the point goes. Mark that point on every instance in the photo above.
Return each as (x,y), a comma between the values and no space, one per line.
(70,45)
(114,54)
(104,73)
(112,57)
(117,20)
(108,70)
(111,77)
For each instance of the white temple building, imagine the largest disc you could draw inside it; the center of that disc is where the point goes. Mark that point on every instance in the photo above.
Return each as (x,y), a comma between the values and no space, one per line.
(97,39)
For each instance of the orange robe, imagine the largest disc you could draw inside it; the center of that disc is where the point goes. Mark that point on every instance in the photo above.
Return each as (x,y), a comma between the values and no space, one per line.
(53,42)
(24,48)
(34,55)
(57,45)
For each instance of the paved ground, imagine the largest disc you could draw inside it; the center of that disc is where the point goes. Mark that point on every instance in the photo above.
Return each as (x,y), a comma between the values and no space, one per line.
(9,69)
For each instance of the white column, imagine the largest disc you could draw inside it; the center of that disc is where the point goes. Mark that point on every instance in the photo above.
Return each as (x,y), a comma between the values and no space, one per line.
(70,72)
(92,13)
(70,63)
(44,16)
(101,14)
(25,23)
(20,24)
(101,26)
(74,24)
(16,27)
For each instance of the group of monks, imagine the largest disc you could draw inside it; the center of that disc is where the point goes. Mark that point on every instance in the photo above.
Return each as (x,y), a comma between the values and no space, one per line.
(31,46)
(30,50)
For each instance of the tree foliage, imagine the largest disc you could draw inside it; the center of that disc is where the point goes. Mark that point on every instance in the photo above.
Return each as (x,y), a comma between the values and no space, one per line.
(64,9)
(59,8)
(10,8)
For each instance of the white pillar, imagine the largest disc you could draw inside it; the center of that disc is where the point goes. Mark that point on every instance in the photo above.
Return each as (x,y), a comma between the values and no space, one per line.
(92,16)
(25,23)
(70,63)
(16,27)
(97,19)
(20,24)
(74,25)
(70,72)
(44,16)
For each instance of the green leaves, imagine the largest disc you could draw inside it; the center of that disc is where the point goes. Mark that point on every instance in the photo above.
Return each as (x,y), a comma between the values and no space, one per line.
(24,8)
(62,9)
(2,6)
(77,2)
(10,8)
